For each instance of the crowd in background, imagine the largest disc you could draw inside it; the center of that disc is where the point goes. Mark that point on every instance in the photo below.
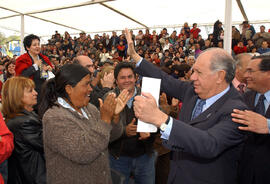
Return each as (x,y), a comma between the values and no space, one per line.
(163,49)
(175,53)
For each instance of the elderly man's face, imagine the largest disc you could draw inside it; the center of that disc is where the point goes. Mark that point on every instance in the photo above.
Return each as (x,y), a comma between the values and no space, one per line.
(240,70)
(86,62)
(204,80)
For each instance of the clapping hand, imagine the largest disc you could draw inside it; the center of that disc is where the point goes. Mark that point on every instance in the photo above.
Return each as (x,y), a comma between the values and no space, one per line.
(122,100)
(163,99)
(108,80)
(107,108)
(47,68)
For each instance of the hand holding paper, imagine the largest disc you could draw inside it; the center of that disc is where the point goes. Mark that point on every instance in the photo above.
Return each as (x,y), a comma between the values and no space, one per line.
(146,110)
(145,107)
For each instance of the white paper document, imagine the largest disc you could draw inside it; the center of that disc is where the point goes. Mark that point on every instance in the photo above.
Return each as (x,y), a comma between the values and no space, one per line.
(152,86)
(51,75)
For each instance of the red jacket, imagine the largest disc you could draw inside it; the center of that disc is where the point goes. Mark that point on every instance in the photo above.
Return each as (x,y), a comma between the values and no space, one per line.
(25,61)
(6,143)
(239,50)
(195,32)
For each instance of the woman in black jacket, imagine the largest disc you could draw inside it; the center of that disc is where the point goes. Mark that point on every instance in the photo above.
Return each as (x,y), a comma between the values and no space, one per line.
(27,162)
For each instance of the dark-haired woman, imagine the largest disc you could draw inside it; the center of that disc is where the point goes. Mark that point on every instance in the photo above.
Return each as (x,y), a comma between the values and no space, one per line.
(10,70)
(76,134)
(33,64)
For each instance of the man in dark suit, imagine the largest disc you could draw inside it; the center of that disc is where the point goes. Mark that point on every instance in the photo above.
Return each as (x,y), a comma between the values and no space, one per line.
(255,162)
(205,143)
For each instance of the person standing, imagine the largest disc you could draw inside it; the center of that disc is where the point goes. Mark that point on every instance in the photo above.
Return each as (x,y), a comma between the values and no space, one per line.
(132,154)
(33,64)
(26,165)
(76,134)
(205,142)
(254,165)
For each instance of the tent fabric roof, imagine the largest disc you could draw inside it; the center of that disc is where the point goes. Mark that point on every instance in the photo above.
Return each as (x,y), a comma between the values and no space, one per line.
(44,17)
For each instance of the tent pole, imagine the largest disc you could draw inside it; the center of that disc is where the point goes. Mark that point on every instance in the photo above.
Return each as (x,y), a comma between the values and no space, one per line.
(228,26)
(22,34)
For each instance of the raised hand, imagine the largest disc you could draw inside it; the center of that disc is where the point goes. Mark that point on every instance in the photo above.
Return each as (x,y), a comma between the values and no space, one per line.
(175,102)
(108,80)
(163,99)
(122,100)
(131,50)
(163,103)
(107,108)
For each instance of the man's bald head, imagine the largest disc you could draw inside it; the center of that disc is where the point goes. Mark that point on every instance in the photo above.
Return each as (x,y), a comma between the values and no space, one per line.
(85,61)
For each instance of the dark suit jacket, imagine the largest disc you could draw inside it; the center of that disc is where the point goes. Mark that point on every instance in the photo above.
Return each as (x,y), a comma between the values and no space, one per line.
(255,163)
(206,149)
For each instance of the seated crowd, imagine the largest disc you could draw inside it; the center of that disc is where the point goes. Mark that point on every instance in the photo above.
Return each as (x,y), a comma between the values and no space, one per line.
(67,105)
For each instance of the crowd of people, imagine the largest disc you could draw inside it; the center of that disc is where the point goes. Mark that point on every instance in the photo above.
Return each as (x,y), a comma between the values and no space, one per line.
(70,108)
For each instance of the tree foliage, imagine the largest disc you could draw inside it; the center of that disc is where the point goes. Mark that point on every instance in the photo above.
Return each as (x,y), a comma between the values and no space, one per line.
(4,39)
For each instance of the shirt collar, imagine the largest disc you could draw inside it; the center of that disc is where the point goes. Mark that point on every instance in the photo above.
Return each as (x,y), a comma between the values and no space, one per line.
(267,99)
(267,96)
(66,105)
(129,103)
(213,99)
(235,82)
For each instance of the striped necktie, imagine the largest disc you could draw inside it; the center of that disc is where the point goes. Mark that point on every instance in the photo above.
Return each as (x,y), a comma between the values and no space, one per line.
(198,109)
(260,105)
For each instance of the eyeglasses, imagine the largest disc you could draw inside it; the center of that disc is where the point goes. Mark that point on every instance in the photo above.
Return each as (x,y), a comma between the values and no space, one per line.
(250,71)
(89,66)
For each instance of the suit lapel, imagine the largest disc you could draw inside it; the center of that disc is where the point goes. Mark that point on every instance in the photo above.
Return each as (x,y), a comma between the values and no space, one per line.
(189,108)
(207,113)
(249,97)
(250,100)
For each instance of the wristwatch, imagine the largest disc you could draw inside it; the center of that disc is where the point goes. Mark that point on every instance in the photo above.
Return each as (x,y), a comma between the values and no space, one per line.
(164,125)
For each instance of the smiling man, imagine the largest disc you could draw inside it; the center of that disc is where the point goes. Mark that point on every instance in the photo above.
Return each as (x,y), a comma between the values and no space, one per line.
(205,143)
(254,166)
(133,153)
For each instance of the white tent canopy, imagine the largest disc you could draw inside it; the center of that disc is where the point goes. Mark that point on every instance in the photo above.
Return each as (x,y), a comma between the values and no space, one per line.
(44,17)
